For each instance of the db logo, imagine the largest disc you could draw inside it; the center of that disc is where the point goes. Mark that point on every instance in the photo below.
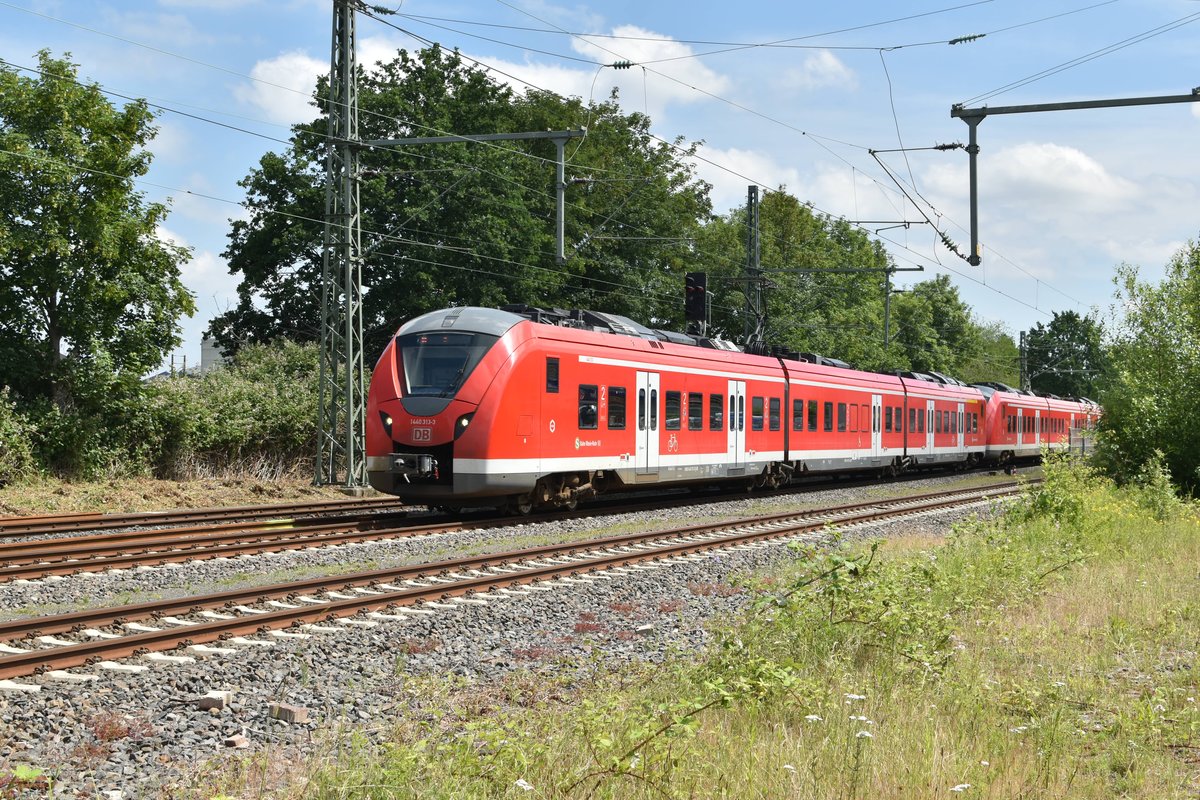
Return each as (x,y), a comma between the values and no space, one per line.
(422,434)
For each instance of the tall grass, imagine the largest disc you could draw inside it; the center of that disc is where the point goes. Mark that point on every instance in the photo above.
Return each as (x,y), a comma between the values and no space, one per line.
(1051,653)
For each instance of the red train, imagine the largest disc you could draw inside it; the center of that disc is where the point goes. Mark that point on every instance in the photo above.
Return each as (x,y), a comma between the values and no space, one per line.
(526,408)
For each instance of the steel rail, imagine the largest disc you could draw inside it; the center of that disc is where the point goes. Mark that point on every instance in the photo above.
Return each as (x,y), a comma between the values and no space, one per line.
(683,541)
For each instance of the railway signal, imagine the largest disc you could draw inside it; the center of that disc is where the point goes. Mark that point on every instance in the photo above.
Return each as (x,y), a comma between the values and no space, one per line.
(695,298)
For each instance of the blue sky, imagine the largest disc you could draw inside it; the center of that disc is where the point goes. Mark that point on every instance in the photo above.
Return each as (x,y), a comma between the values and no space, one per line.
(1064,196)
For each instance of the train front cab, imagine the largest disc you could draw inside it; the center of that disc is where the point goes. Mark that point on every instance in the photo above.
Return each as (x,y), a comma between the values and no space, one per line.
(427,410)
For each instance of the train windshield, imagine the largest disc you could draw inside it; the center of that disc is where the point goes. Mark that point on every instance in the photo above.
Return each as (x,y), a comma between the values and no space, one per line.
(435,364)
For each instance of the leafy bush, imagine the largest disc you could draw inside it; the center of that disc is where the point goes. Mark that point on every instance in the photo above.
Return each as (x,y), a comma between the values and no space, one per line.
(257,416)
(16,442)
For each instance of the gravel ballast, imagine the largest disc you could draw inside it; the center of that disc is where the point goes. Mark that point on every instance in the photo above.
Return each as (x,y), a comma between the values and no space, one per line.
(135,732)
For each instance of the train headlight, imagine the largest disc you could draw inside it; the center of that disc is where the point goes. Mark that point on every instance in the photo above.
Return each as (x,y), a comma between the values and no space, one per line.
(460,427)
(386,419)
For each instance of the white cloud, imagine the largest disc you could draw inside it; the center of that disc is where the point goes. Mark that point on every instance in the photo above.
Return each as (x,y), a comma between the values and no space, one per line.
(283,86)
(821,70)
(729,185)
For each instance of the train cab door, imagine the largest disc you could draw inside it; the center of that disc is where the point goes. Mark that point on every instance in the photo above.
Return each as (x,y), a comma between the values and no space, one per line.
(735,443)
(647,422)
(876,425)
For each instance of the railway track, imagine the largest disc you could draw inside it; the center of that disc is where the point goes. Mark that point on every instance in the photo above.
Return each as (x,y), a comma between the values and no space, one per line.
(32,559)
(393,594)
(11,527)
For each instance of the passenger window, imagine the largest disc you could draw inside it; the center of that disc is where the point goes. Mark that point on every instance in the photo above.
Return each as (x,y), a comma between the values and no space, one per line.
(654,409)
(673,402)
(912,419)
(551,375)
(841,416)
(773,414)
(887,419)
(756,413)
(812,415)
(616,408)
(588,416)
(732,421)
(853,417)
(716,419)
(741,413)
(695,411)
(921,422)
(797,415)
(829,416)
(641,409)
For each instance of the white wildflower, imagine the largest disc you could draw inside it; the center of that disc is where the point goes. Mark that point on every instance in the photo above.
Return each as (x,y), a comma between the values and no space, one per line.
(633,762)
(962,787)
(1191,699)
(1018,729)
(1059,683)
(986,764)
(856,696)
(1160,707)
(789,767)
(863,735)
(814,718)
(524,784)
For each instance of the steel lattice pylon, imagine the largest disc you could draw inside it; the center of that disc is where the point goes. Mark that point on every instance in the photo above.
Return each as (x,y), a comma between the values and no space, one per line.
(340,418)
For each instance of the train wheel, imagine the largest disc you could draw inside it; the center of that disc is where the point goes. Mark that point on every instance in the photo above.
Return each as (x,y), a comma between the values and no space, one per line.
(571,504)
(521,505)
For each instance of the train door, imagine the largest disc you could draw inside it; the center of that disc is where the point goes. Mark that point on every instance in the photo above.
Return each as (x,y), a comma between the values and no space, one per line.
(929,426)
(876,427)
(961,422)
(647,422)
(735,443)
(1037,427)
(1020,427)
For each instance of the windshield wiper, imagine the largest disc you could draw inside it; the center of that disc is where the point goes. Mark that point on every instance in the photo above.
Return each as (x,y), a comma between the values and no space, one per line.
(454,381)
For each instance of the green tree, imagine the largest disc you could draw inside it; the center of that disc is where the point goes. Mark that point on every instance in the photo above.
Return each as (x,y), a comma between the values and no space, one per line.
(998,358)
(1067,357)
(934,328)
(810,308)
(1150,403)
(468,223)
(90,294)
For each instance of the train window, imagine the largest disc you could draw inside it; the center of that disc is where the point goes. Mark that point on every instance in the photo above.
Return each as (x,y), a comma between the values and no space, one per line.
(616,408)
(551,375)
(938,422)
(829,416)
(853,417)
(673,410)
(841,416)
(812,415)
(588,410)
(797,415)
(756,413)
(732,420)
(773,414)
(641,409)
(865,416)
(716,417)
(954,422)
(695,411)
(436,364)
(654,409)
(975,423)
(912,420)
(921,422)
(887,419)
(741,413)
